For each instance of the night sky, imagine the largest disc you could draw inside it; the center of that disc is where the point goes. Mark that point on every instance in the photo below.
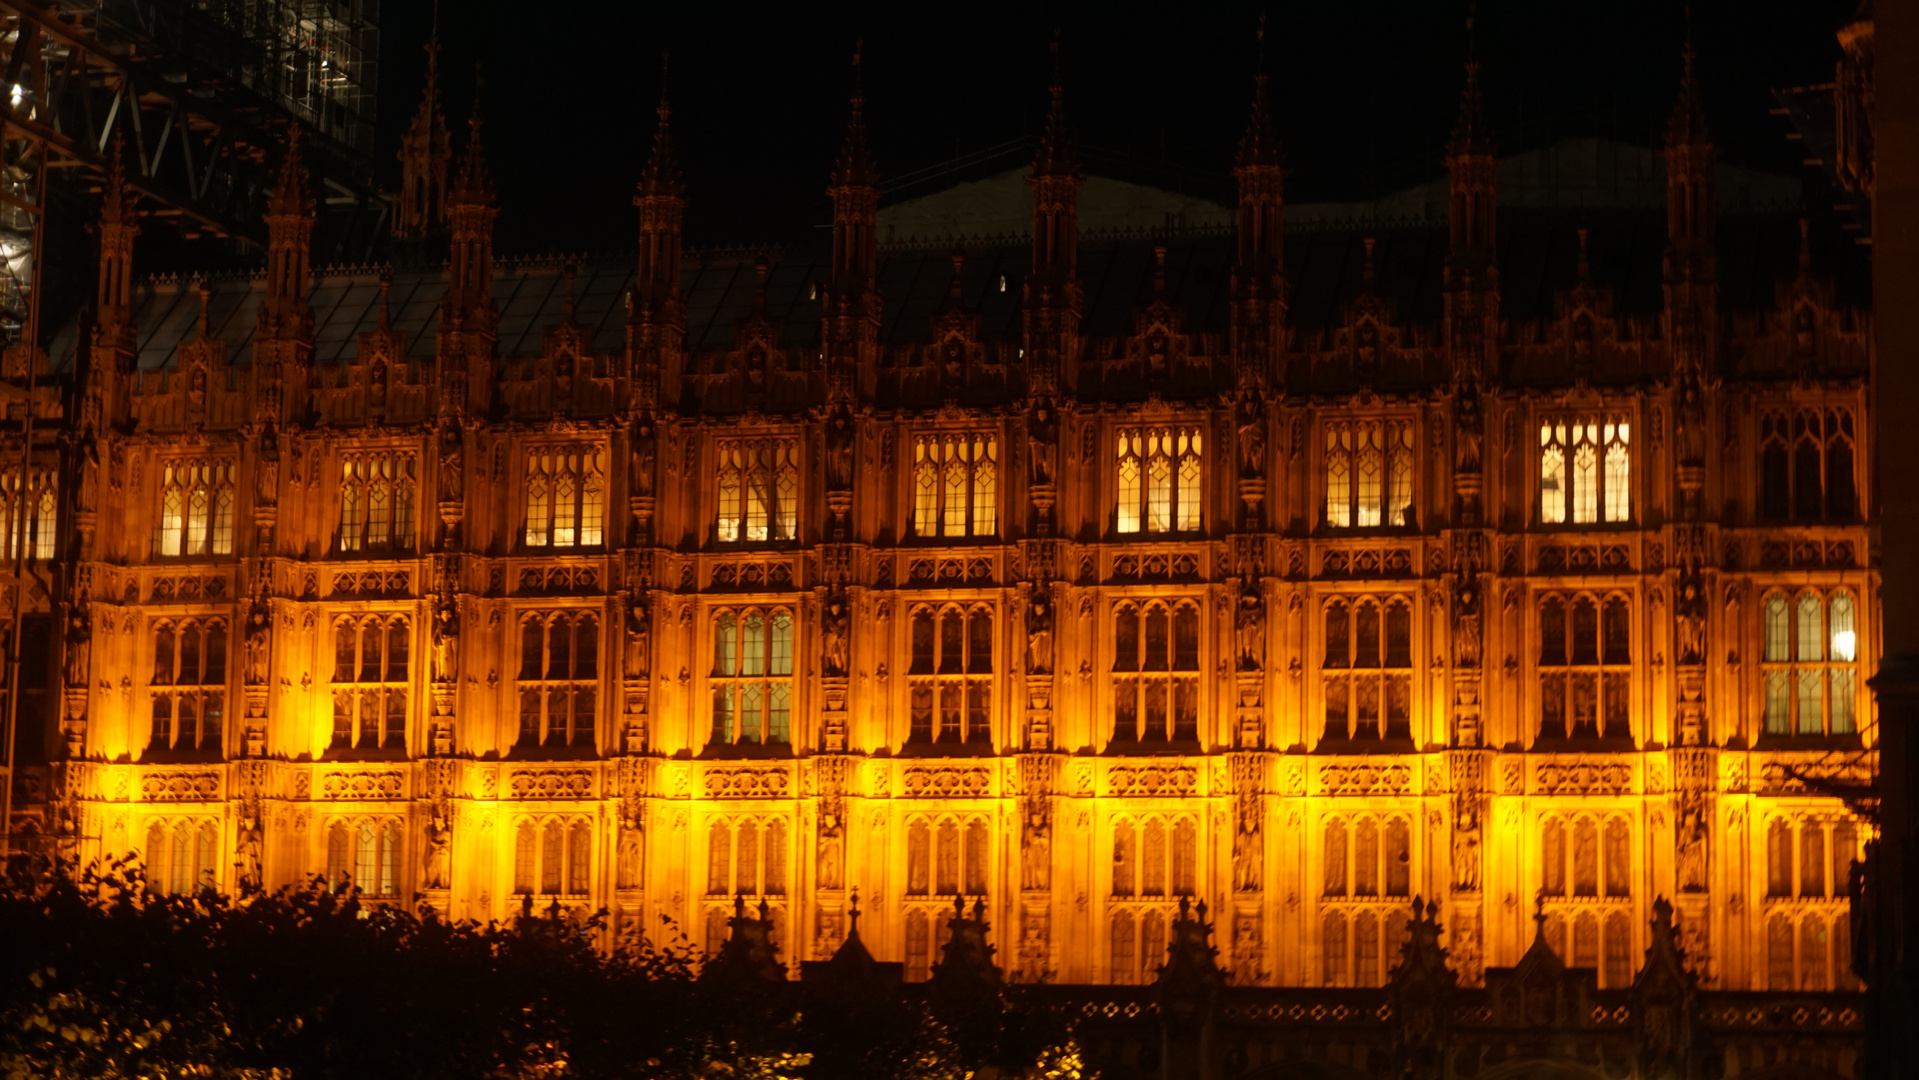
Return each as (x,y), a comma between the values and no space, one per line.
(1364,92)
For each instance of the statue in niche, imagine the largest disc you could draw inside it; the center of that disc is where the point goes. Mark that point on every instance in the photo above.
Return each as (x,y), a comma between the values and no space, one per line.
(836,631)
(1583,338)
(839,449)
(79,649)
(1691,613)
(247,849)
(645,450)
(639,638)
(1248,852)
(1036,848)
(258,644)
(446,642)
(1466,846)
(1042,430)
(439,848)
(1691,845)
(452,451)
(266,471)
(1252,438)
(1249,628)
(1689,422)
(1802,326)
(1366,351)
(1156,349)
(954,353)
(832,861)
(376,381)
(632,832)
(89,474)
(1039,631)
(1467,638)
(1469,431)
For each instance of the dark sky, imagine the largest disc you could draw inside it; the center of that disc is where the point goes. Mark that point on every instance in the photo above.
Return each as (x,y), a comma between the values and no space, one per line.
(1364,91)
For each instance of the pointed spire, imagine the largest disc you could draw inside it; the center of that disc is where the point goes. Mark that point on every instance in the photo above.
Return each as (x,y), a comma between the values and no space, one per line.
(116,206)
(1056,157)
(1259,145)
(662,178)
(953,288)
(661,200)
(1472,132)
(290,196)
(474,185)
(855,167)
(1688,124)
(119,224)
(425,150)
(386,301)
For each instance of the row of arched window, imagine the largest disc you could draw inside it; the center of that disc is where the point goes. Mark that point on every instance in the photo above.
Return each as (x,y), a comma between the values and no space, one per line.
(553,857)
(1155,856)
(1359,946)
(1156,672)
(1367,856)
(746,856)
(182,855)
(1598,939)
(1586,856)
(948,857)
(366,854)
(950,674)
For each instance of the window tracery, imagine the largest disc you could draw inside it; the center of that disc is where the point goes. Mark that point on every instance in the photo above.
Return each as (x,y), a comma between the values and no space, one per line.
(377,492)
(559,679)
(956,485)
(1585,666)
(1808,918)
(1155,672)
(1366,668)
(553,856)
(1369,473)
(1806,465)
(196,509)
(950,679)
(1585,470)
(565,497)
(182,855)
(364,854)
(752,679)
(1158,477)
(759,490)
(372,657)
(1810,660)
(189,685)
(29,514)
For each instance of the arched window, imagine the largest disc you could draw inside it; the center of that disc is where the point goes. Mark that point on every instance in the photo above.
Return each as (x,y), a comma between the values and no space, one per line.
(1159,473)
(1369,473)
(365,854)
(565,497)
(1125,860)
(377,498)
(182,855)
(559,679)
(1585,666)
(918,946)
(919,858)
(29,513)
(746,857)
(1806,465)
(1811,663)
(189,686)
(1367,678)
(1156,680)
(371,677)
(1125,960)
(955,485)
(752,679)
(950,686)
(1585,470)
(759,483)
(196,509)
(1593,856)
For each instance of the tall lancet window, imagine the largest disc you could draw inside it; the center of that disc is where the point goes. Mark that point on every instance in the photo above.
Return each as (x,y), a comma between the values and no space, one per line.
(1159,480)
(1369,473)
(196,509)
(759,490)
(1585,470)
(376,502)
(565,497)
(955,485)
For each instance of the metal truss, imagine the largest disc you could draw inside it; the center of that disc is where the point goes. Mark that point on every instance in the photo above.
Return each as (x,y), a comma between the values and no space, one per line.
(198,97)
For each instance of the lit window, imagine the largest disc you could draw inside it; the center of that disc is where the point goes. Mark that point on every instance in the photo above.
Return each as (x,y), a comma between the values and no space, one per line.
(28,514)
(553,857)
(752,678)
(1585,470)
(950,680)
(1155,673)
(182,856)
(1585,666)
(189,685)
(1810,663)
(1159,480)
(955,485)
(746,857)
(377,502)
(758,490)
(196,509)
(565,498)
(1369,473)
(364,854)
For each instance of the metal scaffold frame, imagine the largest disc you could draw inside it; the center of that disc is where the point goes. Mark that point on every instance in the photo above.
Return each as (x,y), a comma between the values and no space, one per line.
(199,96)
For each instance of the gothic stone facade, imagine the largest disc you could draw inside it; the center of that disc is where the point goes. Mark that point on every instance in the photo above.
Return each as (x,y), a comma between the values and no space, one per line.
(1084,577)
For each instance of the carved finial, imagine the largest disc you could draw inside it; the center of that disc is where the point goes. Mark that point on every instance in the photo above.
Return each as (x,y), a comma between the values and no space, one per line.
(386,296)
(1159,270)
(1367,273)
(739,905)
(572,274)
(1472,134)
(953,289)
(206,301)
(766,912)
(1688,125)
(1805,248)
(1055,157)
(853,913)
(855,167)
(475,184)
(1259,145)
(1585,263)
(759,294)
(979,909)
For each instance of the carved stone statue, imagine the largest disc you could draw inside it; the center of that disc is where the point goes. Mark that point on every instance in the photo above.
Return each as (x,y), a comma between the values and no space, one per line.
(840,435)
(258,645)
(266,472)
(89,474)
(628,870)
(1691,613)
(439,850)
(836,632)
(247,851)
(1249,628)
(1691,847)
(1689,423)
(832,860)
(1252,438)
(1469,431)
(645,452)
(1468,641)
(639,639)
(1042,430)
(1036,849)
(1248,855)
(446,642)
(452,453)
(1466,855)
(79,649)
(1039,631)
